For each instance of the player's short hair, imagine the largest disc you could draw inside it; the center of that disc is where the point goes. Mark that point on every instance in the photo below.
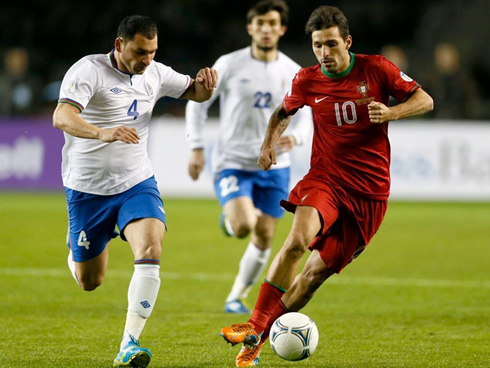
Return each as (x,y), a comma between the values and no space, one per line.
(265,6)
(325,17)
(137,24)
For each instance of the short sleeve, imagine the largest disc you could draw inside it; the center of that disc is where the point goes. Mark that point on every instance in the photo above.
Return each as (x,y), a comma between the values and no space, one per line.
(79,84)
(294,99)
(400,85)
(173,84)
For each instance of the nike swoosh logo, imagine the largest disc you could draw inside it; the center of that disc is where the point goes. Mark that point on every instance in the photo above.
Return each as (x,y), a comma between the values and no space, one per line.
(320,99)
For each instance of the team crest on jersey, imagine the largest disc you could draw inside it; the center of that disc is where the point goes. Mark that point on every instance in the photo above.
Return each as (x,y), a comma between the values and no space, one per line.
(72,86)
(405,77)
(149,88)
(363,88)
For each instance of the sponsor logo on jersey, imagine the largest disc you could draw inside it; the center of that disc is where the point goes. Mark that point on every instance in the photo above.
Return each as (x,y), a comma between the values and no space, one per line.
(320,99)
(72,86)
(244,80)
(405,77)
(116,90)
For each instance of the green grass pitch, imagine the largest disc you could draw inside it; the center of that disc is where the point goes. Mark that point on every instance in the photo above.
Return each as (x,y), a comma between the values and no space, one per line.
(419,296)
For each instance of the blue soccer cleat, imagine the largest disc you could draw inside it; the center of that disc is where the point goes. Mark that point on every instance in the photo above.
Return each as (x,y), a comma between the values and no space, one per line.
(132,355)
(236,306)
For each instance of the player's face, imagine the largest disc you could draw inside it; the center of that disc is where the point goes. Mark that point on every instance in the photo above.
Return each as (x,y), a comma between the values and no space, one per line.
(266,30)
(136,54)
(331,50)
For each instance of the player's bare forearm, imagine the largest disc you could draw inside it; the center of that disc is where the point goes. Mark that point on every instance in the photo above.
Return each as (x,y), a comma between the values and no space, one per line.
(66,118)
(278,123)
(418,104)
(203,87)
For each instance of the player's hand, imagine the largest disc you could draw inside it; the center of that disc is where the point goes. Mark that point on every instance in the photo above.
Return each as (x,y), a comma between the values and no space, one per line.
(285,144)
(267,158)
(208,78)
(196,163)
(122,133)
(379,113)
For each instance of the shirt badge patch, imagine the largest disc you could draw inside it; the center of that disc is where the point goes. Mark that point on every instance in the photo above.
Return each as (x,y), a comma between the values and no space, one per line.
(405,77)
(363,88)
(116,90)
(72,87)
(149,88)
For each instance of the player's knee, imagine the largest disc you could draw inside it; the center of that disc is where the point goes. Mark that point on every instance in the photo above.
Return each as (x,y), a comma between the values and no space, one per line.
(243,229)
(151,250)
(90,282)
(295,248)
(294,251)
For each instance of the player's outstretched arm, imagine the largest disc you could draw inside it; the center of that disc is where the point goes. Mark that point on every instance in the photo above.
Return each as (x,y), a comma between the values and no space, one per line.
(66,118)
(418,104)
(203,87)
(278,123)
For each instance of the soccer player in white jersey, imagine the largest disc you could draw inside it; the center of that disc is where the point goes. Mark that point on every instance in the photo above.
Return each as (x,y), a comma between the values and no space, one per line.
(252,81)
(104,109)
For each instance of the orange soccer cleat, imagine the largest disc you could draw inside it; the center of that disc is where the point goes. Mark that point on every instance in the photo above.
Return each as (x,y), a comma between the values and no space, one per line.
(249,355)
(241,333)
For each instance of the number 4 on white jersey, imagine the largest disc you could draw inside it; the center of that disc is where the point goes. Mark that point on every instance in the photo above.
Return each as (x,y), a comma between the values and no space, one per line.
(82,240)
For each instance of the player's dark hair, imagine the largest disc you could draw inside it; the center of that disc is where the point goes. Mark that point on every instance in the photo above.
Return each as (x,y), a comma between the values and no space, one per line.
(265,6)
(325,17)
(137,24)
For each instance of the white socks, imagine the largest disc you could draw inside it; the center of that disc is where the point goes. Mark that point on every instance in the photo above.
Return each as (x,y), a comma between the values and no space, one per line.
(71,266)
(142,294)
(252,264)
(228,226)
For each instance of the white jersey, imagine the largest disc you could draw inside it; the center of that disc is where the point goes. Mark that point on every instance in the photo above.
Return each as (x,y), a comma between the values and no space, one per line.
(108,98)
(249,91)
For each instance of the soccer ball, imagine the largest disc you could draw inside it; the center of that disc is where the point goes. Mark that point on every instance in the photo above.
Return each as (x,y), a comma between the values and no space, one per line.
(294,336)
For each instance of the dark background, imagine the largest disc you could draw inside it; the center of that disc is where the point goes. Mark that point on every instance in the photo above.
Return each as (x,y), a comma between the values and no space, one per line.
(193,34)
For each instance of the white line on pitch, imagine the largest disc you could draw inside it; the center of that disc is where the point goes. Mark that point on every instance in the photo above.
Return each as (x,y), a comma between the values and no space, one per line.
(343,280)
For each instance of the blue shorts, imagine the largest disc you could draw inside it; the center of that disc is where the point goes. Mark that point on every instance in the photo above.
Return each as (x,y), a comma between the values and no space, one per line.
(93,218)
(265,188)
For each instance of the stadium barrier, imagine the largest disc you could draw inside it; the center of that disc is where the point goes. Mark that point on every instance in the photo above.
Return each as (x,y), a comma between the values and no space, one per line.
(430,160)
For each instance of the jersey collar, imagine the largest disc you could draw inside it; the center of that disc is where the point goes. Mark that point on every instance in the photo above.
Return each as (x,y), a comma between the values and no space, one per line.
(344,73)
(112,57)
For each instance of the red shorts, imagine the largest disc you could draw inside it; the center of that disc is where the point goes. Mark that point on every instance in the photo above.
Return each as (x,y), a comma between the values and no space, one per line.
(349,221)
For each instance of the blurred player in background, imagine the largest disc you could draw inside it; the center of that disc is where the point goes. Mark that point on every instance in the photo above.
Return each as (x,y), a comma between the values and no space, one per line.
(340,204)
(252,82)
(104,109)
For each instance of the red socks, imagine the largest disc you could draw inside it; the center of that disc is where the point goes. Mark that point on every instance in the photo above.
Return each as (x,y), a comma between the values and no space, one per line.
(278,312)
(269,297)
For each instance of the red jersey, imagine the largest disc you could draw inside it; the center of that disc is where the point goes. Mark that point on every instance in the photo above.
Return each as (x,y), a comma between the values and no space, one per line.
(351,151)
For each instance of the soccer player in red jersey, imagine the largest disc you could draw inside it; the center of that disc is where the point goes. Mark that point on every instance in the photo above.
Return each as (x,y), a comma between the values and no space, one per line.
(340,203)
